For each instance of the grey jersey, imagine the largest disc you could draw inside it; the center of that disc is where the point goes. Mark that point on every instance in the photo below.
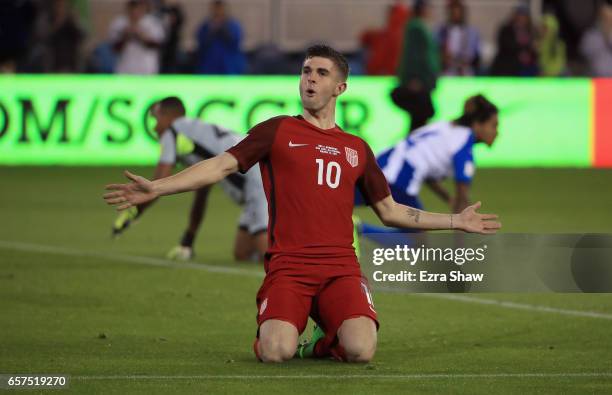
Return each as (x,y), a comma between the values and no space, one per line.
(189,141)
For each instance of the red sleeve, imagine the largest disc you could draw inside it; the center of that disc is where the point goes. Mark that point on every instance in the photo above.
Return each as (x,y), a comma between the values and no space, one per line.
(256,145)
(372,184)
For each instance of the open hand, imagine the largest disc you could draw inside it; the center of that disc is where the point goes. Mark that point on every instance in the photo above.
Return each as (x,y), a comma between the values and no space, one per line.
(473,222)
(124,196)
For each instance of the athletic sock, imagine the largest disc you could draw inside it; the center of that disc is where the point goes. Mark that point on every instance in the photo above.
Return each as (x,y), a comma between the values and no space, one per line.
(187,240)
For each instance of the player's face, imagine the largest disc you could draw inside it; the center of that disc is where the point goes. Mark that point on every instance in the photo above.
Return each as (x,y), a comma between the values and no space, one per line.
(456,14)
(217,11)
(320,82)
(162,120)
(137,11)
(487,131)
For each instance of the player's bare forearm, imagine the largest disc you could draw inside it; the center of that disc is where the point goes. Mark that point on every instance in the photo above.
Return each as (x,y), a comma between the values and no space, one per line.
(197,176)
(141,190)
(198,210)
(462,200)
(398,215)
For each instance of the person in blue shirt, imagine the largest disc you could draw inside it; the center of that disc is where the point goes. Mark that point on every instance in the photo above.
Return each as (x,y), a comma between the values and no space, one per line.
(219,40)
(436,151)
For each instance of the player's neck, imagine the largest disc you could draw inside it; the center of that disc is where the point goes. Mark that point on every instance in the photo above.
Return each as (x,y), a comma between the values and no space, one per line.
(324,118)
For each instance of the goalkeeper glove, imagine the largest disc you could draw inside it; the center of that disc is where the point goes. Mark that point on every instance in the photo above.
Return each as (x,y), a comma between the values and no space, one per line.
(124,219)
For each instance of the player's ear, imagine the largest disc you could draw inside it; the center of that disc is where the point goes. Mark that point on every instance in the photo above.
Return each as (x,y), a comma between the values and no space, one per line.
(340,88)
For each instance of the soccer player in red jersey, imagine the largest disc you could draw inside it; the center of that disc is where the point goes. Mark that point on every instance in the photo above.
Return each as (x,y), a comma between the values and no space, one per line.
(310,169)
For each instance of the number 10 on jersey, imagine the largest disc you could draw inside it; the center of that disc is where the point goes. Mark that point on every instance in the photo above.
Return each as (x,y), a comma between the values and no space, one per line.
(331,172)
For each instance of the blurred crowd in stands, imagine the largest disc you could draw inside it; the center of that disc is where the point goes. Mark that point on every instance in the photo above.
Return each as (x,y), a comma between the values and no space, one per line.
(47,36)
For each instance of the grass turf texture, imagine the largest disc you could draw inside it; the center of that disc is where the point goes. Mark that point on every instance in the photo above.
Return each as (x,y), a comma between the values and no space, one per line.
(90,311)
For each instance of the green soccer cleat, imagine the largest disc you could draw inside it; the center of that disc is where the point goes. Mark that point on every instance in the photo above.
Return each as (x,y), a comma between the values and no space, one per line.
(124,219)
(306,350)
(180,253)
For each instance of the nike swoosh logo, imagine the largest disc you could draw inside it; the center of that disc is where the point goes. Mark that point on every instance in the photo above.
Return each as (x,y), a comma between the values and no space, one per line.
(296,145)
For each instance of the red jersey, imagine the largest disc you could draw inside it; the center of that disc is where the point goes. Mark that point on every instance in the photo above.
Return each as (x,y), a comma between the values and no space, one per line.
(309,177)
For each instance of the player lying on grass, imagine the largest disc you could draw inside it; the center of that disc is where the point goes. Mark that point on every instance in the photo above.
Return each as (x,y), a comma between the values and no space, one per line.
(310,169)
(433,152)
(190,141)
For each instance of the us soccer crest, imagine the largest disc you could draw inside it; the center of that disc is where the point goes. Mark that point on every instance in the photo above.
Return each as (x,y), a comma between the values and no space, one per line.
(351,156)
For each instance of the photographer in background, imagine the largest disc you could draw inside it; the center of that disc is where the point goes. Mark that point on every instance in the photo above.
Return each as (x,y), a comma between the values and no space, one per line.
(136,38)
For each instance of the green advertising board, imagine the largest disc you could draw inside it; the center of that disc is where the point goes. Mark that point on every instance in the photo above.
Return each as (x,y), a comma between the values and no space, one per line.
(104,120)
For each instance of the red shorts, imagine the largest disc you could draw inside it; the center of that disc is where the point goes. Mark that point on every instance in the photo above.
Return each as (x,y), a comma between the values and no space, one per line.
(330,294)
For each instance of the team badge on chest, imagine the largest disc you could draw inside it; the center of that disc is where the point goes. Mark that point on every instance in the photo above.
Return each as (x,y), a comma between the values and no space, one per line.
(351,156)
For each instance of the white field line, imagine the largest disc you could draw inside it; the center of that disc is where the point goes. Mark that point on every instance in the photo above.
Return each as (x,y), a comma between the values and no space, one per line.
(424,376)
(135,259)
(142,260)
(520,306)
(505,304)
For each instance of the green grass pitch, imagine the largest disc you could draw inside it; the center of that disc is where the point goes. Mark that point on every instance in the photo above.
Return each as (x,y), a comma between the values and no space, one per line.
(120,319)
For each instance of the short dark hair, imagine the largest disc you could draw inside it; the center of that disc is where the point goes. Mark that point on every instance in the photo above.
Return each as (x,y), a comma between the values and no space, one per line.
(419,7)
(327,52)
(134,3)
(172,104)
(477,108)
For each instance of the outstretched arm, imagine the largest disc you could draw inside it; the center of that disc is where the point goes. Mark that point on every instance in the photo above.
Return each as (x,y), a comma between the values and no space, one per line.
(400,216)
(462,199)
(201,174)
(141,190)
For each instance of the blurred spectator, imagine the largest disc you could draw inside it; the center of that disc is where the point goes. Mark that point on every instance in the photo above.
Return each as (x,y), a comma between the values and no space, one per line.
(384,46)
(219,40)
(575,18)
(459,42)
(61,38)
(551,49)
(173,19)
(596,45)
(269,59)
(516,46)
(16,25)
(102,59)
(418,69)
(136,38)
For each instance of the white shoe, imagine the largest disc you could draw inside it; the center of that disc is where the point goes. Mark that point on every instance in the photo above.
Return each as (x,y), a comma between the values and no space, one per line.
(180,253)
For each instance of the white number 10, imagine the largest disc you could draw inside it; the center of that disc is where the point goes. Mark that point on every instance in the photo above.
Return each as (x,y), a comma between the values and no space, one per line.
(329,173)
